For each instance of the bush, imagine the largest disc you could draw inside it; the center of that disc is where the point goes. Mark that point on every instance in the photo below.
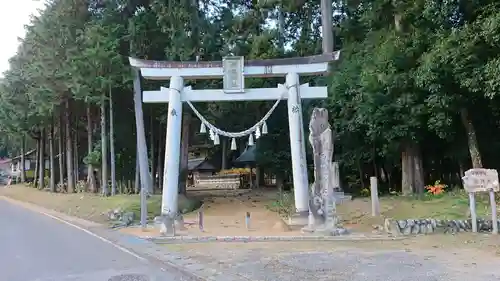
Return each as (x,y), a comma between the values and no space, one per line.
(285,205)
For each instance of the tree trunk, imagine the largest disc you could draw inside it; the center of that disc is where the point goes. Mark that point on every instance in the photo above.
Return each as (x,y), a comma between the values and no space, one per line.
(161,156)
(186,122)
(281,29)
(327,26)
(52,180)
(383,174)
(461,170)
(224,142)
(152,146)
(407,170)
(69,148)
(37,163)
(61,150)
(137,185)
(360,171)
(104,149)
(259,175)
(23,158)
(374,162)
(41,171)
(76,158)
(471,139)
(145,173)
(112,144)
(90,169)
(412,170)
(280,183)
(390,179)
(418,179)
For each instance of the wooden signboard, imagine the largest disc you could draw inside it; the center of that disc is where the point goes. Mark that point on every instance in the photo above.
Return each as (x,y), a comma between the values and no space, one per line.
(482,180)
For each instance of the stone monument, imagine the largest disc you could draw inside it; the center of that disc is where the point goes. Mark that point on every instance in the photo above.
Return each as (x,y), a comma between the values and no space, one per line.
(322,211)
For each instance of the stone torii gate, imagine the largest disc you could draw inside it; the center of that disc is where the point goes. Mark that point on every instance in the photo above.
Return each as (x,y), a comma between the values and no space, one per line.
(233,70)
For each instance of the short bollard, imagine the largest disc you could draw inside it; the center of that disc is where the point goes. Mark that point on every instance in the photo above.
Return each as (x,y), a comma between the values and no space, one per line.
(494,219)
(247,220)
(200,220)
(374,197)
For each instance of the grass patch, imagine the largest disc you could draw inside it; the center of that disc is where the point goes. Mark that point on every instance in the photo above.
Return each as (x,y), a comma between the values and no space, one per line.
(186,205)
(450,205)
(91,206)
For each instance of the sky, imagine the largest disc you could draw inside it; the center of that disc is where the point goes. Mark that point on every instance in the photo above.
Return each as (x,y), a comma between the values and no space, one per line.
(12,21)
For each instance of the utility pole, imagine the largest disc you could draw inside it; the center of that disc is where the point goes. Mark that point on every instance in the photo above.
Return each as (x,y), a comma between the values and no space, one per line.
(281,29)
(326,23)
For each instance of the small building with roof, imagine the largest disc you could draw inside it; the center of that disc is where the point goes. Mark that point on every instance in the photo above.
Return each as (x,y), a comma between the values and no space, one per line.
(199,167)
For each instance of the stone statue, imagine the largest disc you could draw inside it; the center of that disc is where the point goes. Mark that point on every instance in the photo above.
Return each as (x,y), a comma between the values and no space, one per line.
(322,213)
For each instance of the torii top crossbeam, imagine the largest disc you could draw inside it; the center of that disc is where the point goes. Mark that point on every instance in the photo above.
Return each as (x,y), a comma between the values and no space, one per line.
(164,70)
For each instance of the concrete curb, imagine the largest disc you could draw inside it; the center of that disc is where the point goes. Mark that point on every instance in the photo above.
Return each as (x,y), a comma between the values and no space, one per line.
(247,239)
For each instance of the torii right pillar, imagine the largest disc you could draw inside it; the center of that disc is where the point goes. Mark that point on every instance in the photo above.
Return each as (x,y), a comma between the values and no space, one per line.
(298,151)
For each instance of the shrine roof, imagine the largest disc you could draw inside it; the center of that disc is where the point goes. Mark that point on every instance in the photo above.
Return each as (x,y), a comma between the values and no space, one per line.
(247,157)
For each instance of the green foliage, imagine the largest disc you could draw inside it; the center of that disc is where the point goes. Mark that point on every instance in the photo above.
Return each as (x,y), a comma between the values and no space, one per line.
(186,205)
(284,205)
(408,72)
(95,157)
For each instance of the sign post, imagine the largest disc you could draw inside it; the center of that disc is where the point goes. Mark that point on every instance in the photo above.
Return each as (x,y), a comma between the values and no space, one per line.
(482,180)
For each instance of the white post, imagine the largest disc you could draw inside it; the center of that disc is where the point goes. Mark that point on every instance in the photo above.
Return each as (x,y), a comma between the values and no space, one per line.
(299,168)
(172,148)
(374,196)
(335,175)
(494,220)
(472,206)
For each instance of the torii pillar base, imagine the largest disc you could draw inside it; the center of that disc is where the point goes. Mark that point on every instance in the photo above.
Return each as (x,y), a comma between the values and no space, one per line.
(298,220)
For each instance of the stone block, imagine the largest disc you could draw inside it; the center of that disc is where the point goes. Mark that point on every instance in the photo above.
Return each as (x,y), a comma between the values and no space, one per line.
(391,226)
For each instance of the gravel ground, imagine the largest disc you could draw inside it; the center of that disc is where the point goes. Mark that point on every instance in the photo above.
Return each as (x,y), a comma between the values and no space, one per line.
(343,261)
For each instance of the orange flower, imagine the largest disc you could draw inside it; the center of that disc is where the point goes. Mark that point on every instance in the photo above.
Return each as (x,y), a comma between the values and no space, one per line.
(436,189)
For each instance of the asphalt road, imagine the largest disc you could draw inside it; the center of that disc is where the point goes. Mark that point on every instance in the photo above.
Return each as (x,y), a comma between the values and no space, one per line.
(34,247)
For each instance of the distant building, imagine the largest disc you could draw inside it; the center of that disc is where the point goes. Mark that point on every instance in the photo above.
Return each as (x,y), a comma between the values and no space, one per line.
(29,164)
(5,165)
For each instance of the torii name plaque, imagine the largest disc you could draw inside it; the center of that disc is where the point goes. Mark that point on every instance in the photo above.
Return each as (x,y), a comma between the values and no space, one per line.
(233,79)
